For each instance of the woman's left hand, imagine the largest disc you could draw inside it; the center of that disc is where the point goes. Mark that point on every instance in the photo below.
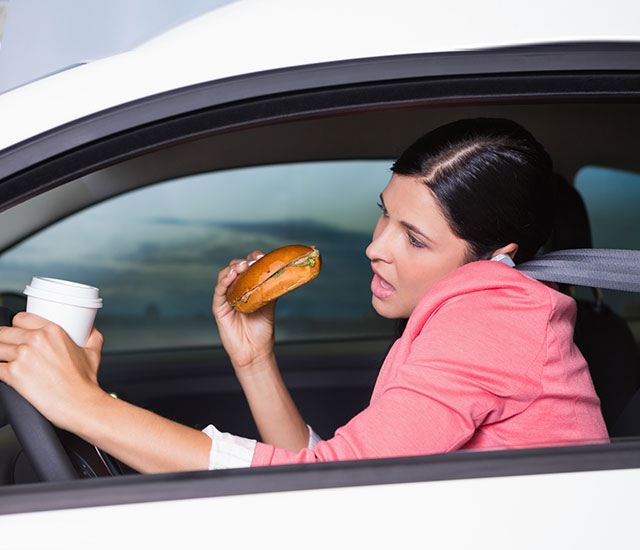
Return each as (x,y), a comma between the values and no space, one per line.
(43,364)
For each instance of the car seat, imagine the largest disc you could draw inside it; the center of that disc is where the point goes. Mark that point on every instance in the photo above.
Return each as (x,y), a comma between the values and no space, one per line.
(602,336)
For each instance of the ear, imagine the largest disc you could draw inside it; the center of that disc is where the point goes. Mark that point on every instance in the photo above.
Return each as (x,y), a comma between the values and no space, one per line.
(508,249)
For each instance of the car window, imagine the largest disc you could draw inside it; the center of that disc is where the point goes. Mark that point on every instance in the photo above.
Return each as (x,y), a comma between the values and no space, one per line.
(155,252)
(612,197)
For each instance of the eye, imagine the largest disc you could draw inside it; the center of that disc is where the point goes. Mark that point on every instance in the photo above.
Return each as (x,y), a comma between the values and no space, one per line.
(415,242)
(384,210)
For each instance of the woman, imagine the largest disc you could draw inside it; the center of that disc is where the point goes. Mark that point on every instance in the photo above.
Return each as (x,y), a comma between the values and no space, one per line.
(486,359)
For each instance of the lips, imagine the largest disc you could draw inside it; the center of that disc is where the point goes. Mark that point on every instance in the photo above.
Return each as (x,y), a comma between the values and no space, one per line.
(380,288)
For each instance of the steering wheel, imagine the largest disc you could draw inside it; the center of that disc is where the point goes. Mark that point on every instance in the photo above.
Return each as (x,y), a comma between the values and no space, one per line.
(56,455)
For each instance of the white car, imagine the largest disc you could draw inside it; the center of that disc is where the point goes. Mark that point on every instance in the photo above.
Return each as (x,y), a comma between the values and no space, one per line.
(269,122)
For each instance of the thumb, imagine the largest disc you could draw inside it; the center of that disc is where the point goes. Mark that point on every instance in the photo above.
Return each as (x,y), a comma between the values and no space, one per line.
(220,304)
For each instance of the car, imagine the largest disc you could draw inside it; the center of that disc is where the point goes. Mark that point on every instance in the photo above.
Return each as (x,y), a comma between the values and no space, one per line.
(263,123)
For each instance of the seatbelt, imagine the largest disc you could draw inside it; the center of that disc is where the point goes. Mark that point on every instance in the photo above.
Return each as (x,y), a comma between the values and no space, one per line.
(614,269)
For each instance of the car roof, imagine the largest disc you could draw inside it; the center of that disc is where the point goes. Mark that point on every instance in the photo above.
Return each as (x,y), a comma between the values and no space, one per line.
(251,36)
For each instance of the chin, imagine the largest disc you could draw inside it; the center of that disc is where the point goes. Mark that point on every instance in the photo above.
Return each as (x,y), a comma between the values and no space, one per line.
(389,310)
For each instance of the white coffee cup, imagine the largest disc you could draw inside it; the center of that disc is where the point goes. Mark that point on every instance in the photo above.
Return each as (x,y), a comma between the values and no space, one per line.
(73,306)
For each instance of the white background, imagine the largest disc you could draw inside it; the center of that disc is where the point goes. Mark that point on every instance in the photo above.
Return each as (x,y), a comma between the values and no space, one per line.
(43,36)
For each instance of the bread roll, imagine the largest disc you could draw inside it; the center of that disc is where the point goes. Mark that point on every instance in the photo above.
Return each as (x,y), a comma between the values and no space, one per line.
(278,272)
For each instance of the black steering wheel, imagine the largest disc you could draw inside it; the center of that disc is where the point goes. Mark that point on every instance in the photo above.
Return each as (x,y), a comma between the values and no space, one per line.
(56,455)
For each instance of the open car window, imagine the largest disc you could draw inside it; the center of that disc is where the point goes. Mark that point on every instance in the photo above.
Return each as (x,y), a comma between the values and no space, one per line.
(155,252)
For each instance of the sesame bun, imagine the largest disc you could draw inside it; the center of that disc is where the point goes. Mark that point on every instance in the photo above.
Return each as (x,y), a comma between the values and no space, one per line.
(278,272)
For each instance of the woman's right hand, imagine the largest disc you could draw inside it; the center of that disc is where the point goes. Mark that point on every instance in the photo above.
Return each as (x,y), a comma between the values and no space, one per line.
(248,338)
(43,364)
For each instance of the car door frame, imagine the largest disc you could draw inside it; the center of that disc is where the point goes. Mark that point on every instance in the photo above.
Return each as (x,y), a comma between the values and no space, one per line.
(561,72)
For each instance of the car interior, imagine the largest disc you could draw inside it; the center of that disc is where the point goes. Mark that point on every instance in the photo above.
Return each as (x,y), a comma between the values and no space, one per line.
(331,374)
(602,335)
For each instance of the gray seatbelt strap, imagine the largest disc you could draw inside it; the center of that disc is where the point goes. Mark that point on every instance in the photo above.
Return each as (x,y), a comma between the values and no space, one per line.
(595,267)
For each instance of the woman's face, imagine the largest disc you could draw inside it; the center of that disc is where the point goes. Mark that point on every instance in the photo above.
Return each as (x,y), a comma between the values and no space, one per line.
(412,247)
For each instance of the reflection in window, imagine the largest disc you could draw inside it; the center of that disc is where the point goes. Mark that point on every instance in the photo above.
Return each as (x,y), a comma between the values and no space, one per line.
(155,252)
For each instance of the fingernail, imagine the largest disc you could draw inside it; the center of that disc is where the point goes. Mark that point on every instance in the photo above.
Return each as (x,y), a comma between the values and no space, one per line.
(252,262)
(231,272)
(259,256)
(242,262)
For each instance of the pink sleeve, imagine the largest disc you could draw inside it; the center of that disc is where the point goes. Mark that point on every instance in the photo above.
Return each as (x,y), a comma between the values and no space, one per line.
(476,359)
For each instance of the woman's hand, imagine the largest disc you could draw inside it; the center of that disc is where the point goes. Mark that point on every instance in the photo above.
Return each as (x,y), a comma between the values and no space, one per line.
(59,379)
(47,368)
(248,338)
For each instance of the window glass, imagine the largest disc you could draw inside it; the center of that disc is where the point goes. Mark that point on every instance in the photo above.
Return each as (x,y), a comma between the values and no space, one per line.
(612,198)
(155,252)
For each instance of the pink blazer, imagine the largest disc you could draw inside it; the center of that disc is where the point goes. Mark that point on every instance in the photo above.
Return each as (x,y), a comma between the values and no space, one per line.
(487,361)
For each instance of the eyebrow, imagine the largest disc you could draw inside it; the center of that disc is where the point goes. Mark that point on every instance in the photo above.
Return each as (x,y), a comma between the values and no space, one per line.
(409,226)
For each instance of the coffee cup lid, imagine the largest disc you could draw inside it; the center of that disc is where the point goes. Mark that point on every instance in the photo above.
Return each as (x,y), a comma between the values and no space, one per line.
(64,292)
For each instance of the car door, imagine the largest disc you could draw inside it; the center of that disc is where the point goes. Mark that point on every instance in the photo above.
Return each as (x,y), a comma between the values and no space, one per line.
(330,113)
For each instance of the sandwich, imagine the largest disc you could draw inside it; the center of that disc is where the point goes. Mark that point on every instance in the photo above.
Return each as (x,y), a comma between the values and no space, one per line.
(278,272)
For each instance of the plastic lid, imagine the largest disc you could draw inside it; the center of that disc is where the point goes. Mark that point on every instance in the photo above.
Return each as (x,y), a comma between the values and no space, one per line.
(64,292)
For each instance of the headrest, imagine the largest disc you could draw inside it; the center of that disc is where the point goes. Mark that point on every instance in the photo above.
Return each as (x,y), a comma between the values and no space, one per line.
(571,227)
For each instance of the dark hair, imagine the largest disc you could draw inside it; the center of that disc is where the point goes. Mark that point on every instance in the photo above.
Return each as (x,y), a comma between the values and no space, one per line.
(492,180)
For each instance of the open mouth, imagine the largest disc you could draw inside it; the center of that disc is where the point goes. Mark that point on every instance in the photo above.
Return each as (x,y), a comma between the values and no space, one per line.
(381,288)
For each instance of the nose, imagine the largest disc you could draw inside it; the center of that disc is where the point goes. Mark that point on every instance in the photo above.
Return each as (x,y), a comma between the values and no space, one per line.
(380,247)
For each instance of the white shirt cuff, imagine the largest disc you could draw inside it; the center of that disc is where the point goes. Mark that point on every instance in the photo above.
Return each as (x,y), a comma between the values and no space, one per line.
(314,438)
(228,450)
